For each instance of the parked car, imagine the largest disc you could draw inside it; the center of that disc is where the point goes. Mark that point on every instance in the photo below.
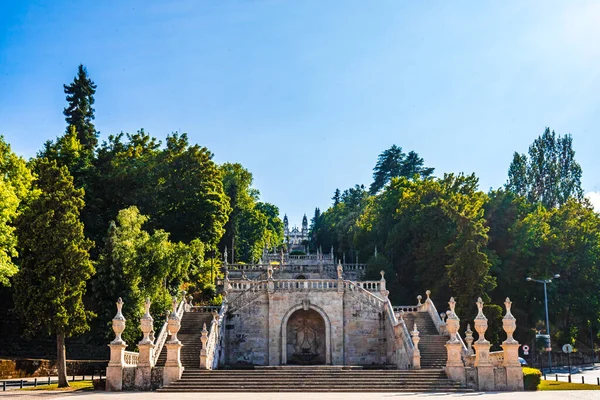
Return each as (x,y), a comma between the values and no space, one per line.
(523,362)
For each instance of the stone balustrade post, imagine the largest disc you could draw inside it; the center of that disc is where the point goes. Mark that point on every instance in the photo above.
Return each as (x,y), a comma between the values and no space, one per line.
(455,368)
(114,370)
(514,374)
(419,298)
(485,369)
(469,339)
(203,353)
(416,361)
(145,363)
(382,288)
(173,368)
(340,276)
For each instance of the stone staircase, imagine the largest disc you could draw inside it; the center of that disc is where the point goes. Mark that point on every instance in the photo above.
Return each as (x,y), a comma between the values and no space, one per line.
(314,379)
(189,335)
(432,344)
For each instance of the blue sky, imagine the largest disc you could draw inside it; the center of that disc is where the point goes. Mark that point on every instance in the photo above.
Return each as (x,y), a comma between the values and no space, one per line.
(306,94)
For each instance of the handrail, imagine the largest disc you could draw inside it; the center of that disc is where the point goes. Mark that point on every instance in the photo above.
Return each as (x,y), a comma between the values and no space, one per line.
(440,325)
(219,350)
(164,332)
(131,358)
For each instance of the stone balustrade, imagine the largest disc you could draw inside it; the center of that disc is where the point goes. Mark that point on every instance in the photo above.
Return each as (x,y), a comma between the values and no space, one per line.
(305,284)
(204,309)
(372,286)
(497,358)
(131,358)
(400,309)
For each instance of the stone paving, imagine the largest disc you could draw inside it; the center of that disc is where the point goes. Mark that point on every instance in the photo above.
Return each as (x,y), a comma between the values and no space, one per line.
(556,395)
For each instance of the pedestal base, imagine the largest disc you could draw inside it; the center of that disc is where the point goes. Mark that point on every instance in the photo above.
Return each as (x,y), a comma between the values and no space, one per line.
(114,378)
(514,378)
(485,378)
(171,374)
(143,378)
(457,374)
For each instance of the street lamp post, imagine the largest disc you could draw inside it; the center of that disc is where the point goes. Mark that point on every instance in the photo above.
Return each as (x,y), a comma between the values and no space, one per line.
(545,282)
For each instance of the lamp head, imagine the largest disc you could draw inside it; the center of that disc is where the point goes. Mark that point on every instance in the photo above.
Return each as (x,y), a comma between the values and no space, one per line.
(528,279)
(556,276)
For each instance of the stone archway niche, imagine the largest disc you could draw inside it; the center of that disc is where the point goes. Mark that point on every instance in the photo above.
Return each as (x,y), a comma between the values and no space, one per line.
(306,336)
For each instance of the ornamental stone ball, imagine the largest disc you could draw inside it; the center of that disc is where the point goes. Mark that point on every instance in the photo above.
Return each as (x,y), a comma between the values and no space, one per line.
(118,323)
(428,294)
(452,305)
(419,298)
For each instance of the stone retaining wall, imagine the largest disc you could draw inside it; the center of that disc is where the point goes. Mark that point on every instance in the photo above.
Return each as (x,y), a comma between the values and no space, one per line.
(32,367)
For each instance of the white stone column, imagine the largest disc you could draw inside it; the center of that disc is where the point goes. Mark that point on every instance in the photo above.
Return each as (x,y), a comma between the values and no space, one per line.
(455,369)
(114,370)
(204,340)
(143,371)
(485,369)
(173,368)
(514,373)
(416,353)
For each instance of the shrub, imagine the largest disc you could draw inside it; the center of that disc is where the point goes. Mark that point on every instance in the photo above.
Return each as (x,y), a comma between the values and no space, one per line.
(531,378)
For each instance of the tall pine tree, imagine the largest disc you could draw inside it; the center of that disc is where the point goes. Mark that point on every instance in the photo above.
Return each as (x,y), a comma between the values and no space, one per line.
(79,112)
(55,261)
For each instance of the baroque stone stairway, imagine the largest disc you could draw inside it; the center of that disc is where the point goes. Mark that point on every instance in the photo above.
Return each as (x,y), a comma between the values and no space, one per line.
(432,344)
(314,379)
(189,335)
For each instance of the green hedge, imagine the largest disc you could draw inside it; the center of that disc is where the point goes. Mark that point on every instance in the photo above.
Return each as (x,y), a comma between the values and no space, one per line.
(531,378)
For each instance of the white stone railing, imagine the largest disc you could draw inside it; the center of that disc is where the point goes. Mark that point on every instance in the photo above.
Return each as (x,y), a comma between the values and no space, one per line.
(370,297)
(354,267)
(131,358)
(247,267)
(220,344)
(204,309)
(439,323)
(164,332)
(240,286)
(372,286)
(305,284)
(399,309)
(497,358)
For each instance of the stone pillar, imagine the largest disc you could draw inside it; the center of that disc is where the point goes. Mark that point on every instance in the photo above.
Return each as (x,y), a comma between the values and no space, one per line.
(514,374)
(204,340)
(173,368)
(382,286)
(455,369)
(143,370)
(416,353)
(114,370)
(485,370)
(469,339)
(340,276)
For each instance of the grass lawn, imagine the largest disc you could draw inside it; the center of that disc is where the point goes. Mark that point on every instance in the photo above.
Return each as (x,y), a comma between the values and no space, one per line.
(553,385)
(75,386)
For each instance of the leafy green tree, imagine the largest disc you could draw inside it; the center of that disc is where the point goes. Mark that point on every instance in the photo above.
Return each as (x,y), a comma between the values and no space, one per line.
(79,112)
(337,197)
(15,184)
(55,262)
(550,174)
(393,163)
(135,264)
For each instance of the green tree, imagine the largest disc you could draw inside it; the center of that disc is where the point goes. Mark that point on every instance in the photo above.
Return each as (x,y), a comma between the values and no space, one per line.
(79,112)
(393,163)
(550,175)
(15,184)
(54,257)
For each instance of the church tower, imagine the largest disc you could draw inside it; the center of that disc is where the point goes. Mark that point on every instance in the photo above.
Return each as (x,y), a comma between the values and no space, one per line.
(304,227)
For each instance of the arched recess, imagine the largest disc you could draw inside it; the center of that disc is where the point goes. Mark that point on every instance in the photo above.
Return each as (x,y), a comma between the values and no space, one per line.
(305,305)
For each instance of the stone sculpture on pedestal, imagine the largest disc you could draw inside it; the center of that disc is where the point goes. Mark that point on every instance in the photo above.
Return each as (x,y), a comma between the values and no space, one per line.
(514,374)
(173,368)
(146,346)
(485,370)
(455,369)
(114,370)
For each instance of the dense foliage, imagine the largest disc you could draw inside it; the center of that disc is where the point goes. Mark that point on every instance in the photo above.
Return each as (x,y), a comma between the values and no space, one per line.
(446,235)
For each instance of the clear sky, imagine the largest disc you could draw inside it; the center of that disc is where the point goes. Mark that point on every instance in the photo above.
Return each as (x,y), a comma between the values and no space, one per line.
(306,94)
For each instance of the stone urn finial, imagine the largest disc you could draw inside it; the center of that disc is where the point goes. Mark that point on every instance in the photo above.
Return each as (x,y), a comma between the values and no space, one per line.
(509,323)
(452,323)
(382,272)
(428,294)
(481,322)
(452,304)
(340,270)
(469,339)
(270,273)
(443,317)
(146,323)
(419,298)
(174,323)
(118,323)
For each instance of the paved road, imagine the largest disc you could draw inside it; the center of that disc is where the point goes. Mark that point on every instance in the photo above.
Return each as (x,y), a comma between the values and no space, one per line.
(556,395)
(590,374)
